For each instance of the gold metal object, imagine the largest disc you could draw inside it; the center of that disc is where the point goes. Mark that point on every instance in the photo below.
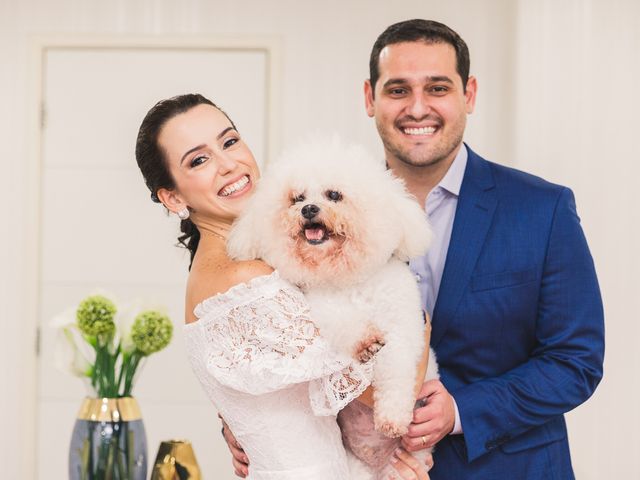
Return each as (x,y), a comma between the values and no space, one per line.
(424,441)
(109,410)
(176,461)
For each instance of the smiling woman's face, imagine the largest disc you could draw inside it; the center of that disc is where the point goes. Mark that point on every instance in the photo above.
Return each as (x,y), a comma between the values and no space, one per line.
(214,171)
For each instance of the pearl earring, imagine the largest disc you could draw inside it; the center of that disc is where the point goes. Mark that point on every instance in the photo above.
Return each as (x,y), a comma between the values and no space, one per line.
(183,214)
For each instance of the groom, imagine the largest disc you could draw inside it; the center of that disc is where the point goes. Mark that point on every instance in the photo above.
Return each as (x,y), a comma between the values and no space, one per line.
(517,321)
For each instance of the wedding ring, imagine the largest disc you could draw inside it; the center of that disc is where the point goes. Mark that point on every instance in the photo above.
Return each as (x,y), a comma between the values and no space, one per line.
(424,441)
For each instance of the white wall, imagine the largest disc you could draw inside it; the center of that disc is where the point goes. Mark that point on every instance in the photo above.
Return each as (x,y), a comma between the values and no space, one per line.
(577,103)
(556,98)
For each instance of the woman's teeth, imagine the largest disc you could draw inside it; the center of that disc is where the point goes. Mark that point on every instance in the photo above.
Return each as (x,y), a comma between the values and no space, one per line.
(420,131)
(234,187)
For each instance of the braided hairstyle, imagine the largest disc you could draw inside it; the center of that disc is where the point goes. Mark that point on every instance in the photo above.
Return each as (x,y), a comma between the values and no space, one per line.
(151,158)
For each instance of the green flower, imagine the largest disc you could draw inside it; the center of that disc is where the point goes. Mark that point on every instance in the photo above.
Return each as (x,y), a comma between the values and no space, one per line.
(151,332)
(95,316)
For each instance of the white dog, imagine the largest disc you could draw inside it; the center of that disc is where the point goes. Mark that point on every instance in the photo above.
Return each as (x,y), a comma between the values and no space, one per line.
(340,226)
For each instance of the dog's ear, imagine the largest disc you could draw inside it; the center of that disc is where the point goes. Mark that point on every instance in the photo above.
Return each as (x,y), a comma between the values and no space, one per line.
(415,232)
(244,242)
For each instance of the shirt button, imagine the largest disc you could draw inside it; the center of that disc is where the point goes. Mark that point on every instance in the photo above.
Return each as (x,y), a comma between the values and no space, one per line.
(418,277)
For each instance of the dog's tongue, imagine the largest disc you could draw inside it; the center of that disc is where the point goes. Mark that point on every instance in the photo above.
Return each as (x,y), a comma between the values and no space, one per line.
(314,233)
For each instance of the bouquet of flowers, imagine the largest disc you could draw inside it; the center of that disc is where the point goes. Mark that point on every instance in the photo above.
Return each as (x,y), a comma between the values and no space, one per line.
(105,346)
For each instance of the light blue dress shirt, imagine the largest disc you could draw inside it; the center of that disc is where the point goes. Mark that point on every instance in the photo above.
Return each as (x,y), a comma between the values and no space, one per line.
(440,207)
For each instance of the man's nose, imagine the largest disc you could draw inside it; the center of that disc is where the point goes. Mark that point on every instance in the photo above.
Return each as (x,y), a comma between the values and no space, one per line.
(309,211)
(418,106)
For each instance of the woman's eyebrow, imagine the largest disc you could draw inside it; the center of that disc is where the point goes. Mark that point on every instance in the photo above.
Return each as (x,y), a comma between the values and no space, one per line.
(191,150)
(223,132)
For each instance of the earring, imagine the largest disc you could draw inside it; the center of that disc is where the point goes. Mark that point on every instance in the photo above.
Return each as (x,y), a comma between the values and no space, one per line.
(183,214)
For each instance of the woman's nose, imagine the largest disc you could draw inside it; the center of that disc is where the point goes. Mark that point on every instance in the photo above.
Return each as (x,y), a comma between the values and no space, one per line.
(226,163)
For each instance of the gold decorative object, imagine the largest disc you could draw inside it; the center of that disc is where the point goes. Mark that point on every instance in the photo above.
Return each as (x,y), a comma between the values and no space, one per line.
(123,409)
(176,461)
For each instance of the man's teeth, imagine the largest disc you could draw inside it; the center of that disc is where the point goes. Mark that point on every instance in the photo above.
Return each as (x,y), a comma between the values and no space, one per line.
(234,187)
(420,131)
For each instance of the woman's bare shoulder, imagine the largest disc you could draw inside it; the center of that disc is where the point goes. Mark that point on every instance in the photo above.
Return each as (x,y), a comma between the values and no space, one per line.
(207,280)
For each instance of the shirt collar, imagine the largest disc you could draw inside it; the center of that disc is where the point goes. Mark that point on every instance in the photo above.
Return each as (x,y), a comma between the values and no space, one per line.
(452,181)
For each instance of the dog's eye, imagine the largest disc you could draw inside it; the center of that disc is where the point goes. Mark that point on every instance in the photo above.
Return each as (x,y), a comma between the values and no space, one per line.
(333,195)
(298,198)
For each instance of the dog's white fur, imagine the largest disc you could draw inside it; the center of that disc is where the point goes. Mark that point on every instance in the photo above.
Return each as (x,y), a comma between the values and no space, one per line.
(357,282)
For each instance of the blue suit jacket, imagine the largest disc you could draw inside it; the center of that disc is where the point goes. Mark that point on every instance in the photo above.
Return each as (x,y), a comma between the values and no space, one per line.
(517,327)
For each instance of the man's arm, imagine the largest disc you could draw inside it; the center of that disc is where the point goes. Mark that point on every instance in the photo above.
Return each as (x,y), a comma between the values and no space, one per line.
(564,367)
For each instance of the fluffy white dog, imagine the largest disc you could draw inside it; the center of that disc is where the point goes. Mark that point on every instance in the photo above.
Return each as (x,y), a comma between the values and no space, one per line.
(339,225)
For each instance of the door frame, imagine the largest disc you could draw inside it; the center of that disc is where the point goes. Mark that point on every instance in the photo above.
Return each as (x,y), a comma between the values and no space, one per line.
(271,46)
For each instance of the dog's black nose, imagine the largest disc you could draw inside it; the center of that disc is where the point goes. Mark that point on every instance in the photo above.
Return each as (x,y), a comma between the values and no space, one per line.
(309,211)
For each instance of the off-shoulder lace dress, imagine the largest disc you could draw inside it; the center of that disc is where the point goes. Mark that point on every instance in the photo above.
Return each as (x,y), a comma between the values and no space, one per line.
(274,379)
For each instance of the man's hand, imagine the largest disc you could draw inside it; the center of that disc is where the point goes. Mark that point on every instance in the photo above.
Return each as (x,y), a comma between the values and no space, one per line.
(239,458)
(432,422)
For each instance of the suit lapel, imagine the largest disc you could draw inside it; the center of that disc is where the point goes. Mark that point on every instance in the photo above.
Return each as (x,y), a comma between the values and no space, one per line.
(474,213)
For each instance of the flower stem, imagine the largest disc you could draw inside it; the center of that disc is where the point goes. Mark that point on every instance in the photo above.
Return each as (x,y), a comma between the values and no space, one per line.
(131,370)
(123,367)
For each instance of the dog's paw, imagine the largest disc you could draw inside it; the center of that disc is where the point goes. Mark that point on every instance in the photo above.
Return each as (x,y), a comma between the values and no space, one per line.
(367,348)
(391,421)
(390,429)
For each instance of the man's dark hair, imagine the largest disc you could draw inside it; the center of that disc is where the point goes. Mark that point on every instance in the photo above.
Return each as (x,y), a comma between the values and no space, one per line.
(419,30)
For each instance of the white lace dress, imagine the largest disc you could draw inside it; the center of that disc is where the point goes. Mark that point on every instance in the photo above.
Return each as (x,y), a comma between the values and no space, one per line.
(274,379)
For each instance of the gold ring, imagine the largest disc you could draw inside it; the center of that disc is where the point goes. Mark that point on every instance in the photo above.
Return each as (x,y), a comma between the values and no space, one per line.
(424,441)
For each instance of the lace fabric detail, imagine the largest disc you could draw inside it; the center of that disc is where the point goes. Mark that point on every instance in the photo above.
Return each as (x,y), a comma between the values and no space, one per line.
(259,338)
(330,394)
(239,294)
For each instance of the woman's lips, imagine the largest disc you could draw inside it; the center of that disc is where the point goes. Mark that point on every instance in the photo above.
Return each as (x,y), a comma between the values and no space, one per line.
(236,188)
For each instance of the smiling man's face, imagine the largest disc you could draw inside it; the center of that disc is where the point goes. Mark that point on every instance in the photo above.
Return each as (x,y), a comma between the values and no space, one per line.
(420,105)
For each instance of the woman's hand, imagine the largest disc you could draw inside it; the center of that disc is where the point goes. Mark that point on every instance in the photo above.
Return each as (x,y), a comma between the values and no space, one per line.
(409,467)
(239,458)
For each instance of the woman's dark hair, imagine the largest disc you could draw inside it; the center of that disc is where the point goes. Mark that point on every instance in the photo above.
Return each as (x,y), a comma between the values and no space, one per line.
(419,30)
(153,163)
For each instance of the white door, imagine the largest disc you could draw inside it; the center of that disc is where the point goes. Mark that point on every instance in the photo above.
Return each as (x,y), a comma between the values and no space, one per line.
(99,228)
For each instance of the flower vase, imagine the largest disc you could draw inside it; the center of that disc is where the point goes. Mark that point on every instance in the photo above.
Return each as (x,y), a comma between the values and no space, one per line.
(108,441)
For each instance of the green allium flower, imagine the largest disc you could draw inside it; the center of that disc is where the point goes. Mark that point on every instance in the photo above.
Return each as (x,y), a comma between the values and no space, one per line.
(151,332)
(95,316)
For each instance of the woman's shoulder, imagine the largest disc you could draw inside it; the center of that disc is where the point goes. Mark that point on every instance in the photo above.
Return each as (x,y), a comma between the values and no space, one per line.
(208,279)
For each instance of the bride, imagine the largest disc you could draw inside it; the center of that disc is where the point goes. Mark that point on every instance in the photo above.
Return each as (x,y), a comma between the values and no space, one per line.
(250,340)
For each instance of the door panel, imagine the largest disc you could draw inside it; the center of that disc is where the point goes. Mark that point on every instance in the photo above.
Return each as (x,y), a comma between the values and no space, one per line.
(99,228)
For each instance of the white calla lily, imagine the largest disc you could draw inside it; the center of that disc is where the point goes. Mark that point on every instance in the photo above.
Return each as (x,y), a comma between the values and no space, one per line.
(67,354)
(124,321)
(108,360)
(64,319)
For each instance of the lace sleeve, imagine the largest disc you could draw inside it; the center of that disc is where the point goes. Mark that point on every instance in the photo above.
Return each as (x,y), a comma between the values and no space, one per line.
(331,393)
(259,338)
